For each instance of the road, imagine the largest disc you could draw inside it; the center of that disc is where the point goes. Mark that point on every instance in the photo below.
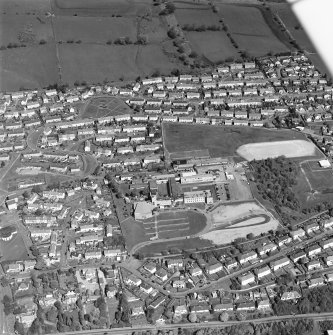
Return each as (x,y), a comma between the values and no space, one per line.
(215,284)
(211,324)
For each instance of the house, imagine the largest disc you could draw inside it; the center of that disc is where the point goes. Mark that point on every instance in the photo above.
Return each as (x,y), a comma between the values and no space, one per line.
(146,288)
(132,280)
(292,295)
(312,227)
(161,274)
(150,267)
(262,272)
(179,284)
(297,234)
(180,310)
(223,307)
(196,271)
(327,244)
(247,257)
(200,309)
(264,305)
(313,265)
(314,250)
(329,260)
(246,306)
(295,258)
(214,268)
(284,240)
(315,282)
(247,279)
(328,224)
(175,263)
(157,302)
(279,263)
(269,247)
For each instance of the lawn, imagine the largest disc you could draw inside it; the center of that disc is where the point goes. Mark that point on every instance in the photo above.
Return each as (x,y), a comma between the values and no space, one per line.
(250,30)
(134,232)
(29,67)
(220,141)
(13,250)
(214,45)
(319,179)
(106,106)
(191,244)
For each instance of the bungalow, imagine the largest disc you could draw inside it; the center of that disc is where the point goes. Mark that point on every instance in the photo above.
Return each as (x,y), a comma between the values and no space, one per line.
(125,150)
(264,304)
(93,254)
(157,302)
(199,309)
(292,295)
(269,247)
(179,284)
(182,309)
(132,280)
(175,263)
(312,227)
(284,240)
(196,271)
(150,267)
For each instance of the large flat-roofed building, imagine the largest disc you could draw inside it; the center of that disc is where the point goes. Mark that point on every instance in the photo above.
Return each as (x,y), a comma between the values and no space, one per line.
(198,197)
(199,178)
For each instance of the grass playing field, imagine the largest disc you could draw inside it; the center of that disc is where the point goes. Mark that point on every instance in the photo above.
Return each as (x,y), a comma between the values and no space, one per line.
(106,106)
(219,141)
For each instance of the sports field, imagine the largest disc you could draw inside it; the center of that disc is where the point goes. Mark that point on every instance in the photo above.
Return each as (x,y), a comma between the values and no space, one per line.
(289,149)
(219,141)
(250,30)
(105,106)
(174,224)
(319,179)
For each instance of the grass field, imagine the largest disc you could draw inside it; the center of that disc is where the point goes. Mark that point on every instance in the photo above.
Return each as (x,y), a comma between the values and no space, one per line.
(214,45)
(289,149)
(220,141)
(110,62)
(198,14)
(14,249)
(134,232)
(250,30)
(190,244)
(94,29)
(100,107)
(29,67)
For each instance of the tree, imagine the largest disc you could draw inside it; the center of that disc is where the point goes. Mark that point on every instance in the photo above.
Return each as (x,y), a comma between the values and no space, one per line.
(19,328)
(224,317)
(193,317)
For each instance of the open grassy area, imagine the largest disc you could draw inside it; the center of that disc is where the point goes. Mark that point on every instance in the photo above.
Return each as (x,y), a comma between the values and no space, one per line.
(134,232)
(110,62)
(13,250)
(220,141)
(195,13)
(191,244)
(106,106)
(250,30)
(214,45)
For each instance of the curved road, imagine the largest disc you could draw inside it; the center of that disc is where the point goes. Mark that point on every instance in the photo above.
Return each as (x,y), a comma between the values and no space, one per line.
(211,324)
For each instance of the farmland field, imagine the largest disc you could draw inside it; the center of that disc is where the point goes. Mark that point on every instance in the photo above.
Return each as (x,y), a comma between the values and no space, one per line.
(94,29)
(105,106)
(220,141)
(214,45)
(110,62)
(29,67)
(289,149)
(197,14)
(250,30)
